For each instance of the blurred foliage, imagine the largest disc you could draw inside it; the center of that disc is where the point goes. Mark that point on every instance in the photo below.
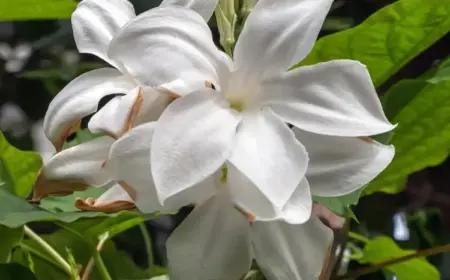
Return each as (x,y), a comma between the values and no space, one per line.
(36,9)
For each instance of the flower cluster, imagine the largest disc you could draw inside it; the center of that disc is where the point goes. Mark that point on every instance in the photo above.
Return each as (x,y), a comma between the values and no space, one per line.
(182,123)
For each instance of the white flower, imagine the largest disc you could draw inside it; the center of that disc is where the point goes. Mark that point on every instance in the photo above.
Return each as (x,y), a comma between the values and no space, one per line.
(238,119)
(216,242)
(106,100)
(95,23)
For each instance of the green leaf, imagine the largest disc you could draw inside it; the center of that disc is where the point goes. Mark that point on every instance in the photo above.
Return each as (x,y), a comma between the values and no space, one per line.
(18,169)
(388,39)
(36,9)
(15,212)
(384,248)
(340,205)
(15,271)
(9,238)
(422,138)
(66,203)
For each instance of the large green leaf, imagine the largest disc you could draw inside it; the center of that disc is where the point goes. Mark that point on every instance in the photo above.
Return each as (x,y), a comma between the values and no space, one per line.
(15,212)
(422,111)
(384,248)
(388,39)
(15,271)
(36,9)
(18,169)
(9,237)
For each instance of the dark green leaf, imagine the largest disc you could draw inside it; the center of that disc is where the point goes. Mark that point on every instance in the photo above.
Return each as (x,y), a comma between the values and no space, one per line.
(36,9)
(9,238)
(384,248)
(18,169)
(388,39)
(15,271)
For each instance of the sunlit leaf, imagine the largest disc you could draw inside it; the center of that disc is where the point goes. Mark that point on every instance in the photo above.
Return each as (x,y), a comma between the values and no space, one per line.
(422,139)
(388,39)
(384,248)
(36,9)
(18,169)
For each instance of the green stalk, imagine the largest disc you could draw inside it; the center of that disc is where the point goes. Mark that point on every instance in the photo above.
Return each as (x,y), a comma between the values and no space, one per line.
(49,249)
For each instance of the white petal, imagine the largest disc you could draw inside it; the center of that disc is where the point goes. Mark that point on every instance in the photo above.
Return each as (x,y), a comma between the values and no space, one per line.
(129,161)
(204,7)
(256,206)
(115,193)
(112,118)
(279,34)
(96,22)
(266,151)
(153,105)
(331,98)
(299,206)
(249,197)
(167,44)
(294,252)
(211,243)
(80,98)
(340,165)
(83,161)
(192,140)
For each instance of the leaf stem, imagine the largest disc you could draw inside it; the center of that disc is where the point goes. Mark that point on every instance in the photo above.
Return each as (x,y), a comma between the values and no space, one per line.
(49,249)
(98,258)
(358,237)
(376,267)
(40,255)
(148,244)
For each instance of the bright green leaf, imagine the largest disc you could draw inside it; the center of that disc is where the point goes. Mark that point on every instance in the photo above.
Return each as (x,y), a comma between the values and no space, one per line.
(422,138)
(384,248)
(15,271)
(9,238)
(18,169)
(388,39)
(340,205)
(36,9)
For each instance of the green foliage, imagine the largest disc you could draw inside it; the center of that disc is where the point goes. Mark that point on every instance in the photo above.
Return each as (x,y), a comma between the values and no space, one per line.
(14,271)
(36,9)
(421,108)
(384,248)
(9,237)
(18,169)
(340,205)
(15,212)
(80,239)
(388,39)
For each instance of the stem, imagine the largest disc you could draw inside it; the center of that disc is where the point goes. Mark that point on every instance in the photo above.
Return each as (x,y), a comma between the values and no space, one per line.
(148,244)
(376,267)
(40,255)
(358,237)
(49,249)
(97,259)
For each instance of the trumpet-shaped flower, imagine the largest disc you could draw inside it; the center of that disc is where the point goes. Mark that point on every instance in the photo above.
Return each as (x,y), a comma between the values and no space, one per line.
(235,118)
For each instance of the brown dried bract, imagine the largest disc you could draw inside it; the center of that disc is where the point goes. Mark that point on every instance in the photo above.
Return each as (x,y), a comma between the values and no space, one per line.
(250,217)
(367,139)
(69,129)
(91,204)
(44,187)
